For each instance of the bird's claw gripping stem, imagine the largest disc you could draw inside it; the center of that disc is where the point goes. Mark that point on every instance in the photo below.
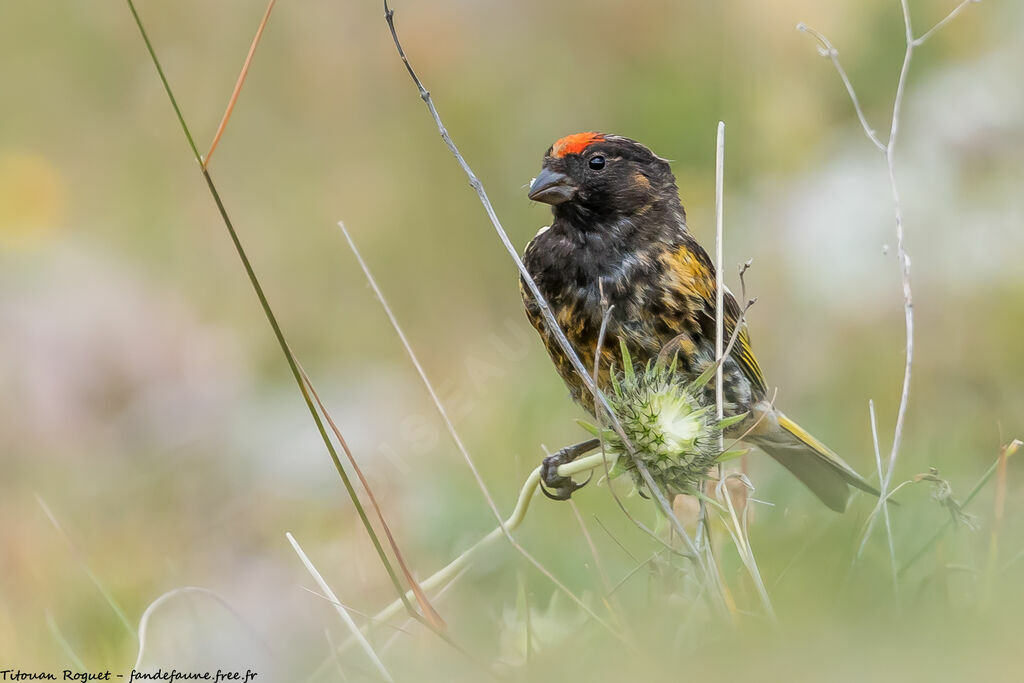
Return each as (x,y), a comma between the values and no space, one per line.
(555,486)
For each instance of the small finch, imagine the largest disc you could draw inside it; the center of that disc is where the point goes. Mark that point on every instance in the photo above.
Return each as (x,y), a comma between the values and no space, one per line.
(619,243)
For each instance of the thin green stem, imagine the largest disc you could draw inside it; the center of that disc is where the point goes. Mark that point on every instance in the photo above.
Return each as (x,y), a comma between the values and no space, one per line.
(526,495)
(58,635)
(163,79)
(80,558)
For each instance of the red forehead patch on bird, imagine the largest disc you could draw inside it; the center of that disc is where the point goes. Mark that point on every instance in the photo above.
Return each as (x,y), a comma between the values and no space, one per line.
(574,144)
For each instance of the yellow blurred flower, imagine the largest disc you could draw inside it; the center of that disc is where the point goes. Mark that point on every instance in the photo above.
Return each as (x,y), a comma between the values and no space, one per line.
(31,199)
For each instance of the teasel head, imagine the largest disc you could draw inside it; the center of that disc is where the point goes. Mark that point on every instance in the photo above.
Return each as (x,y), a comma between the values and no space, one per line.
(668,423)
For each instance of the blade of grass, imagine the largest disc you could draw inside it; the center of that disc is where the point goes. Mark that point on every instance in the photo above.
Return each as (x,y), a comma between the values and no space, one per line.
(882,506)
(741,539)
(598,565)
(268,312)
(449,425)
(704,529)
(523,605)
(998,511)
(238,85)
(399,630)
(455,568)
(428,609)
(638,565)
(334,650)
(504,527)
(353,610)
(58,635)
(719,279)
(526,495)
(617,542)
(611,603)
(342,612)
(483,667)
(80,558)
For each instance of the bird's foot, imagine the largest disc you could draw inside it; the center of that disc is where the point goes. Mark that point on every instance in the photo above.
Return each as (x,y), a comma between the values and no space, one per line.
(554,485)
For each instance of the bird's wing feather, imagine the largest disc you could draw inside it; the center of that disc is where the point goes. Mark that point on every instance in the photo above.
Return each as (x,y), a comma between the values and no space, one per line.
(693,279)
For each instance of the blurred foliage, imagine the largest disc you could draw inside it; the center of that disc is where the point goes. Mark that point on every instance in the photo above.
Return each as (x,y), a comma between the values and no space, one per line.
(144,398)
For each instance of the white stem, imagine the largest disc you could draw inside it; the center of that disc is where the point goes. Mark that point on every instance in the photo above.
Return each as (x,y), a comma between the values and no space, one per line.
(901,255)
(342,612)
(169,595)
(741,538)
(949,17)
(719,278)
(421,372)
(458,440)
(881,506)
(827,50)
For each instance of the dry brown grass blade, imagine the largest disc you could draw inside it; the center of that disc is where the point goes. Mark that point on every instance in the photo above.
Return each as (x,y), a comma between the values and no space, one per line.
(999,508)
(238,84)
(429,613)
(269,313)
(1000,502)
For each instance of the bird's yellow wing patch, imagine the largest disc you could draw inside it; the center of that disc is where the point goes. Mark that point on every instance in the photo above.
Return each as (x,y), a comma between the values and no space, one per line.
(696,276)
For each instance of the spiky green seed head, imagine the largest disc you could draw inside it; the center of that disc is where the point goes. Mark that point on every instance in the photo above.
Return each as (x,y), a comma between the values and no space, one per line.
(668,424)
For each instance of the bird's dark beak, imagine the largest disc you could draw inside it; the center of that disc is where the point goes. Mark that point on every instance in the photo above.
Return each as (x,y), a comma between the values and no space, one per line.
(552,187)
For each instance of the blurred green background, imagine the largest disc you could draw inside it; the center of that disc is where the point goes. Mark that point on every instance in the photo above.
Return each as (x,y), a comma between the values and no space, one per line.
(144,400)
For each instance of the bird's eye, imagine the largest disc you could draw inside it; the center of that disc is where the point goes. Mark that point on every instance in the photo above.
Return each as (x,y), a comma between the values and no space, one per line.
(597,163)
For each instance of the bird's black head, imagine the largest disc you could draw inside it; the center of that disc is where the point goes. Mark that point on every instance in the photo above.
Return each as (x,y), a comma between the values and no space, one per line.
(591,179)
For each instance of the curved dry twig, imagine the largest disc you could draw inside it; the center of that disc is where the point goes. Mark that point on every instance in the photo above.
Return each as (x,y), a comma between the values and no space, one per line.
(888,148)
(826,49)
(948,18)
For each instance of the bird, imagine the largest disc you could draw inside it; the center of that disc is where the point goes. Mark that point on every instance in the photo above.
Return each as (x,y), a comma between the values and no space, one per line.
(619,252)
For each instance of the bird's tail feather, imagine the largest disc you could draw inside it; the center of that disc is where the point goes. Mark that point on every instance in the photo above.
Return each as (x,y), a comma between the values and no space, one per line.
(812,462)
